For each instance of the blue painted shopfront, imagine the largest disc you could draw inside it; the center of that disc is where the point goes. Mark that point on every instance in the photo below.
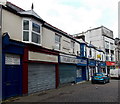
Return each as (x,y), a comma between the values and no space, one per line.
(91,62)
(81,69)
(12,52)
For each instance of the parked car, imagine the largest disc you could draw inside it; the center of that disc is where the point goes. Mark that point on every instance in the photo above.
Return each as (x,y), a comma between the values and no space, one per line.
(100,78)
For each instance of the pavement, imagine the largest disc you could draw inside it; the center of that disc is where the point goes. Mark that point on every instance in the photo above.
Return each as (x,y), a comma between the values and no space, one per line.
(82,92)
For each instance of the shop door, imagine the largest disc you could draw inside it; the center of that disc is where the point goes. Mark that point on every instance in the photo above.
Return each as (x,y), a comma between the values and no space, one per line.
(40,77)
(91,72)
(12,76)
(79,75)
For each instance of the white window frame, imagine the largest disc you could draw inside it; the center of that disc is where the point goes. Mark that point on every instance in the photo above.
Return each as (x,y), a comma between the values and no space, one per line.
(111,46)
(56,34)
(107,45)
(26,30)
(30,31)
(73,47)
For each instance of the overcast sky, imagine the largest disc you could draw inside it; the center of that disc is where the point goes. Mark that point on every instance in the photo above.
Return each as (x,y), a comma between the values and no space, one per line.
(75,16)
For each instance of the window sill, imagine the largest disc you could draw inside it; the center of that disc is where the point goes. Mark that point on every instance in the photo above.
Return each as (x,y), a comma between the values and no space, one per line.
(32,43)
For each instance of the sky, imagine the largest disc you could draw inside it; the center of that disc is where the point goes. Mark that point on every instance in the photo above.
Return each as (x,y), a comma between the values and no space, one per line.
(75,16)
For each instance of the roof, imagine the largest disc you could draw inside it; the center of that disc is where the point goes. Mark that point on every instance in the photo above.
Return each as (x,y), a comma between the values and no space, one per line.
(81,41)
(30,13)
(100,50)
(82,33)
(91,46)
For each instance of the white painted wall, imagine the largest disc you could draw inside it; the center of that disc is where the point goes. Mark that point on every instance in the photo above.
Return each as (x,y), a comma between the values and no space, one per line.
(48,41)
(12,24)
(97,39)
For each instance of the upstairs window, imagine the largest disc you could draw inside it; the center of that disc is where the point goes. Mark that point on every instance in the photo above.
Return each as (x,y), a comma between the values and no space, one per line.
(35,33)
(31,32)
(57,42)
(25,30)
(73,46)
(90,52)
(111,46)
(106,44)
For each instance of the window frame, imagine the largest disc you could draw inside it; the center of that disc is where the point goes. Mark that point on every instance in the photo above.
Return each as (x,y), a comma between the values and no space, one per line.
(31,30)
(72,47)
(56,42)
(107,45)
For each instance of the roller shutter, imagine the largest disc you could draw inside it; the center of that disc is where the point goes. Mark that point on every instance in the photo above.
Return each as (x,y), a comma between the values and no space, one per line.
(40,77)
(67,73)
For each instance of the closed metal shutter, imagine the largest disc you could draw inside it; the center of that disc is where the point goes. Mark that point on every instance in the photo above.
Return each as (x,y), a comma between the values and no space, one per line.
(67,73)
(40,77)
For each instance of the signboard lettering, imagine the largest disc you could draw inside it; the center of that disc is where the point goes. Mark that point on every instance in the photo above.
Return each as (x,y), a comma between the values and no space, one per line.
(11,59)
(65,59)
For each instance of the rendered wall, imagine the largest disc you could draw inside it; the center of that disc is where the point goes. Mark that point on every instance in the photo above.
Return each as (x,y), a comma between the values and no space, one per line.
(12,24)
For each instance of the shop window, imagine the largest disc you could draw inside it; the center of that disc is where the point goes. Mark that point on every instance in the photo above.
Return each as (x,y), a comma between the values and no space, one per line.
(107,58)
(31,32)
(104,70)
(79,73)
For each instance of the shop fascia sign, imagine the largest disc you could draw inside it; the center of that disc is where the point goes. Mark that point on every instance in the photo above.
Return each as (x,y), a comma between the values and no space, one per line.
(74,60)
(98,56)
(110,63)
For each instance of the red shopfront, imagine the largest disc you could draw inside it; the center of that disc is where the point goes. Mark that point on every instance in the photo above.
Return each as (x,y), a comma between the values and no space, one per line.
(40,69)
(110,65)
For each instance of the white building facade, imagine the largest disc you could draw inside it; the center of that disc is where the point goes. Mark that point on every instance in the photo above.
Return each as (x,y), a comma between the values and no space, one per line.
(102,38)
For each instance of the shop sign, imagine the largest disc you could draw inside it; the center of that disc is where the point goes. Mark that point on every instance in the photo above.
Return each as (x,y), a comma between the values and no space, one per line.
(11,59)
(108,63)
(81,62)
(91,63)
(98,56)
(36,56)
(65,59)
(103,64)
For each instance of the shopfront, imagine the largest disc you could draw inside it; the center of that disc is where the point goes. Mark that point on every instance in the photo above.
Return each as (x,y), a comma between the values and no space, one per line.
(12,53)
(91,67)
(67,69)
(40,69)
(110,65)
(102,67)
(81,70)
